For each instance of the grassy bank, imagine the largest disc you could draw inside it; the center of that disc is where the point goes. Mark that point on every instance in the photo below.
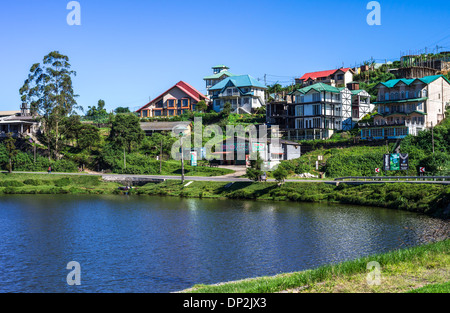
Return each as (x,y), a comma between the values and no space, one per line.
(430,199)
(426,267)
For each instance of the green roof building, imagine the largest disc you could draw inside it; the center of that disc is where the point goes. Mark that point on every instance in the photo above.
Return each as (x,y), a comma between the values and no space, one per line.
(220,72)
(408,106)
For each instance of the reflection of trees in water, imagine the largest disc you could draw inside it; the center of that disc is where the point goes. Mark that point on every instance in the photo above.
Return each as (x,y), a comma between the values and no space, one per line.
(437,231)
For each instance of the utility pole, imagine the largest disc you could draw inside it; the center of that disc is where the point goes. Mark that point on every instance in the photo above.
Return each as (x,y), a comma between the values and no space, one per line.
(124,158)
(160,158)
(432,136)
(182,157)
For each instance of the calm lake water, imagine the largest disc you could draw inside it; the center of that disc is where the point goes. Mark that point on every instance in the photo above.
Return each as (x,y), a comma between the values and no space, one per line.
(158,244)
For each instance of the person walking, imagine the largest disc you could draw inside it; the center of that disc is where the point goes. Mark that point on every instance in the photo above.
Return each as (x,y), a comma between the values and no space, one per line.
(49,169)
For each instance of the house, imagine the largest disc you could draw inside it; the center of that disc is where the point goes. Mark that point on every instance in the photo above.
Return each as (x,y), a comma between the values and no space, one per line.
(407,106)
(243,92)
(320,110)
(159,127)
(175,101)
(220,72)
(272,154)
(340,77)
(18,123)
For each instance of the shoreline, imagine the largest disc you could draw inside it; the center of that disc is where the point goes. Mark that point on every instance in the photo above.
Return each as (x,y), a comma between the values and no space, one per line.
(429,199)
(413,269)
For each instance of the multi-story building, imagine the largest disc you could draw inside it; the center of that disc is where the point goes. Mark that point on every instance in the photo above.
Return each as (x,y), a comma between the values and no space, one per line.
(220,72)
(320,110)
(175,101)
(337,78)
(407,106)
(244,93)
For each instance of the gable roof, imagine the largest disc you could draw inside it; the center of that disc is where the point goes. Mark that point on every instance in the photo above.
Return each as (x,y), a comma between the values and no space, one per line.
(315,75)
(238,81)
(218,75)
(183,86)
(426,80)
(163,126)
(319,87)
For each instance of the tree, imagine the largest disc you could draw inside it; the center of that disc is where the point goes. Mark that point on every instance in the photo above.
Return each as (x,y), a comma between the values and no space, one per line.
(11,151)
(49,93)
(121,110)
(280,174)
(89,136)
(98,111)
(226,109)
(70,127)
(254,172)
(201,106)
(125,131)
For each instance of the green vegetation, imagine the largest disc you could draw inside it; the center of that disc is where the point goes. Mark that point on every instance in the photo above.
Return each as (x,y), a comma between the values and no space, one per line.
(433,288)
(430,199)
(401,271)
(55,184)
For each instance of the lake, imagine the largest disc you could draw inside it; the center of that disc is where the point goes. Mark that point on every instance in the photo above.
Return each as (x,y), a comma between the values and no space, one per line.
(162,244)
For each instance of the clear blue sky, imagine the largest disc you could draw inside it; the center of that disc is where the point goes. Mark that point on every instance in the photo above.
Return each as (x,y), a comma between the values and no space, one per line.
(127,51)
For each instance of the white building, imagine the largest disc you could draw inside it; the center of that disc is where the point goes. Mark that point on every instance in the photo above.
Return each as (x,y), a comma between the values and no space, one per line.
(244,93)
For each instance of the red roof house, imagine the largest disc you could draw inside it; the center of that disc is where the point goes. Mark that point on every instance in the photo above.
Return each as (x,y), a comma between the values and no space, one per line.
(174,101)
(341,76)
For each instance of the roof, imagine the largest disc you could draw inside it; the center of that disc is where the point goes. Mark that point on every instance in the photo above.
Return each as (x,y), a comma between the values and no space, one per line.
(238,81)
(220,66)
(402,101)
(320,87)
(8,113)
(315,75)
(183,86)
(163,126)
(218,75)
(426,80)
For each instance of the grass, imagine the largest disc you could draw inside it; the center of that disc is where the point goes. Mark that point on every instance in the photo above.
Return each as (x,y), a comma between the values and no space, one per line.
(433,288)
(430,199)
(401,271)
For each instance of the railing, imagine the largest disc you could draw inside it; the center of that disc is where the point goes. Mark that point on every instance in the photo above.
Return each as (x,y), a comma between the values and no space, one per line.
(395,123)
(391,178)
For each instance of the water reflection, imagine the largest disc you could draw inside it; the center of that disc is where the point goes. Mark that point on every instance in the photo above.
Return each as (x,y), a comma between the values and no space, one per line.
(127,244)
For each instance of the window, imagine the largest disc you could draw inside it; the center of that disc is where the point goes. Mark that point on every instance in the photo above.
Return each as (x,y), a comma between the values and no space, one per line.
(171,103)
(246,101)
(316,123)
(386,96)
(159,104)
(420,106)
(158,113)
(407,94)
(178,112)
(340,77)
(316,97)
(170,112)
(403,95)
(144,113)
(179,103)
(316,109)
(299,110)
(185,102)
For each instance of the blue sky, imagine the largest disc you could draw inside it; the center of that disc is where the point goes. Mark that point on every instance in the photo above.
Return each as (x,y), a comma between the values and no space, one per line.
(127,51)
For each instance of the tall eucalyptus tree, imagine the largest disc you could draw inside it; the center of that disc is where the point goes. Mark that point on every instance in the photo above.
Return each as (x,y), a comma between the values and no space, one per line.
(48,92)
